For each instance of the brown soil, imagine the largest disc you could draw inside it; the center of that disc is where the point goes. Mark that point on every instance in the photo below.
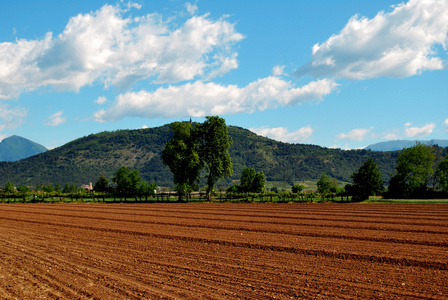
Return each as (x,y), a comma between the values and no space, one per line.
(223,251)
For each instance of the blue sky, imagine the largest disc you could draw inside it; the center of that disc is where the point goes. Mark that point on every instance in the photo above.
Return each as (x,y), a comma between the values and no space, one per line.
(341,74)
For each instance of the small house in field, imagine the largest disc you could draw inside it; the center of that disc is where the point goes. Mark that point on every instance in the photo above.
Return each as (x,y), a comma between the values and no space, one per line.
(87,187)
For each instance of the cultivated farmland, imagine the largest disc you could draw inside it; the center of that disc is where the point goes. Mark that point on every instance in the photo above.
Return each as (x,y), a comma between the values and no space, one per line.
(223,251)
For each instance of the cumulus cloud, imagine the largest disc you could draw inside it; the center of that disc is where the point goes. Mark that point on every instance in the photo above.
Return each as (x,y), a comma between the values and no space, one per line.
(278,70)
(358,134)
(11,117)
(106,46)
(282,134)
(200,99)
(101,100)
(418,132)
(400,43)
(55,119)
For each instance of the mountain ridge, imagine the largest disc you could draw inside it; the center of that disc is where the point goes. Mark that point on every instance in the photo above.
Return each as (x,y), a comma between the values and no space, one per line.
(87,158)
(394,145)
(15,148)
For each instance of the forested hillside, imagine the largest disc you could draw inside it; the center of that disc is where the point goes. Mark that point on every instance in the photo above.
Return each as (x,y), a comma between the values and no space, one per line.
(86,159)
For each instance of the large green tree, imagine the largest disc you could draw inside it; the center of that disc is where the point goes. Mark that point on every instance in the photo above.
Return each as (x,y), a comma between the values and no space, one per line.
(214,143)
(367,181)
(413,172)
(181,156)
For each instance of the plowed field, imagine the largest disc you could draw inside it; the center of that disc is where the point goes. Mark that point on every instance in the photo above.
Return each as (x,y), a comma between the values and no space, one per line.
(223,251)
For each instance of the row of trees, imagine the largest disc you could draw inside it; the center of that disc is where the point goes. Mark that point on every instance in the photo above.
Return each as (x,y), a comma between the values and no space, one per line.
(10,188)
(195,149)
(417,175)
(125,183)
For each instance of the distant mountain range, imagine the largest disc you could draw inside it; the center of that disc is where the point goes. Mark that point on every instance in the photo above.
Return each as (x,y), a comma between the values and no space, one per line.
(401,144)
(16,148)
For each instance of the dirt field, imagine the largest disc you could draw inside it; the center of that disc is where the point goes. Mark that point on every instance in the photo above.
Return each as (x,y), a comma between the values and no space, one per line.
(223,251)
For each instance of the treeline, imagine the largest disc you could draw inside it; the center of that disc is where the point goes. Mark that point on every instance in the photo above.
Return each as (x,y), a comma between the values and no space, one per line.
(126,184)
(421,172)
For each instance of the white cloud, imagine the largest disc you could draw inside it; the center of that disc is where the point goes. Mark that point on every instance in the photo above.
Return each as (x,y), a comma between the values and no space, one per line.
(358,134)
(144,127)
(191,8)
(400,43)
(101,100)
(417,132)
(278,70)
(11,118)
(55,119)
(282,134)
(107,47)
(446,125)
(200,99)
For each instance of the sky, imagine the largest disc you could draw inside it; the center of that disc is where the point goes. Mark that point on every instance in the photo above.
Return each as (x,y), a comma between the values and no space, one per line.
(340,74)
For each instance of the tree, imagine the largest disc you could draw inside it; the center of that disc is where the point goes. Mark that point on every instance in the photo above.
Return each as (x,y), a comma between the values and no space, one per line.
(441,175)
(367,181)
(49,188)
(147,189)
(247,179)
(101,185)
(214,143)
(69,188)
(413,172)
(23,189)
(323,185)
(127,181)
(181,156)
(252,182)
(259,183)
(297,188)
(9,188)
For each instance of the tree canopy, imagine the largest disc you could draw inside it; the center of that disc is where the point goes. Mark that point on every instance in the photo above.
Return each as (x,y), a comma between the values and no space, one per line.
(127,181)
(367,181)
(181,156)
(323,185)
(213,145)
(441,175)
(413,172)
(102,184)
(252,182)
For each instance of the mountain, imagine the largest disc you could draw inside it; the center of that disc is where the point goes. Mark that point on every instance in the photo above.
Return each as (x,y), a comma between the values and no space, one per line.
(401,144)
(15,148)
(84,160)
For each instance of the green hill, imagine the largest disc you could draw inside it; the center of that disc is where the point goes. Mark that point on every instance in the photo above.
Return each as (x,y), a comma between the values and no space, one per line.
(86,159)
(15,148)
